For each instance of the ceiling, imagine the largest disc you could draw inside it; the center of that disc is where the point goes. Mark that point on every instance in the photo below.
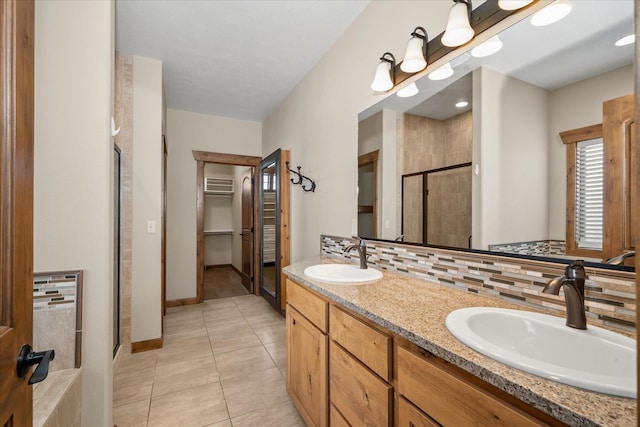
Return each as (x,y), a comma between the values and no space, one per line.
(236,59)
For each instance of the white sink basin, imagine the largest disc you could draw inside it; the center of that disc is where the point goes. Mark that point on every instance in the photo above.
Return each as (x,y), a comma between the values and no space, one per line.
(595,359)
(344,274)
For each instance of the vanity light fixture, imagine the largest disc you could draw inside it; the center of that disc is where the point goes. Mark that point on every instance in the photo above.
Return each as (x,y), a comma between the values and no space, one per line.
(513,4)
(462,104)
(489,47)
(415,57)
(385,73)
(551,13)
(459,29)
(626,40)
(441,73)
(408,91)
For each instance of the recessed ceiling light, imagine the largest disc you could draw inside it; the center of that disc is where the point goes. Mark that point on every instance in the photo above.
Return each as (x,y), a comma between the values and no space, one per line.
(462,104)
(489,47)
(626,40)
(551,13)
(408,91)
(441,73)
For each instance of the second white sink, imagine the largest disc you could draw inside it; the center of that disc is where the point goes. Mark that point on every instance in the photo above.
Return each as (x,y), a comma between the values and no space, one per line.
(595,359)
(343,274)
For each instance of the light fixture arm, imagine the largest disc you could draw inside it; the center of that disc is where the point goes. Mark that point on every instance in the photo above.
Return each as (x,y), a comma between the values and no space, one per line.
(391,61)
(424,37)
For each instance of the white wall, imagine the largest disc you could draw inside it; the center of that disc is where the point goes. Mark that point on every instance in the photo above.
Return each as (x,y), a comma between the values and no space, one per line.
(510,124)
(572,107)
(186,132)
(318,121)
(73,183)
(146,318)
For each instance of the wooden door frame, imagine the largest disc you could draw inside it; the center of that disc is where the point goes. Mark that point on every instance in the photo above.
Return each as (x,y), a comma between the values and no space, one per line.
(16,207)
(203,157)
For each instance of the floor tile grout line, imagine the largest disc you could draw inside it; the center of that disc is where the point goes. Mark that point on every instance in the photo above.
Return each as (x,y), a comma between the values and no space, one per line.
(215,362)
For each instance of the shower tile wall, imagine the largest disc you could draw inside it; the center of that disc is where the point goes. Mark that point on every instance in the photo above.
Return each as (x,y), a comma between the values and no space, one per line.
(610,295)
(537,247)
(57,317)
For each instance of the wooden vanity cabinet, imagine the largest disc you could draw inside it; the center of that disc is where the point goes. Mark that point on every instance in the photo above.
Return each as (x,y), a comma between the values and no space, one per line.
(307,354)
(343,370)
(450,398)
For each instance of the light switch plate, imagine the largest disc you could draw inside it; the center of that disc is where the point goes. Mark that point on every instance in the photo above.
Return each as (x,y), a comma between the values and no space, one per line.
(151,227)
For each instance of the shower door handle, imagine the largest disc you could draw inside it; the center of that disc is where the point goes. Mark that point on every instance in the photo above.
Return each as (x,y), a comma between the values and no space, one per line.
(27,358)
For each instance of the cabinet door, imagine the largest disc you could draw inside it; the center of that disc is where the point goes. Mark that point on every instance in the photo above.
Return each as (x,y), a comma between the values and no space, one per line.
(307,368)
(410,416)
(360,395)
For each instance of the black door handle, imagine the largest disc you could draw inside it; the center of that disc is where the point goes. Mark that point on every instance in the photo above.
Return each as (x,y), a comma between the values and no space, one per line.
(27,358)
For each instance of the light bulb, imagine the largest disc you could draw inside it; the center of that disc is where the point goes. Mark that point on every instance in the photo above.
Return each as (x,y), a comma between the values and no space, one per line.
(551,13)
(441,73)
(513,4)
(458,30)
(489,47)
(382,80)
(408,91)
(462,104)
(414,60)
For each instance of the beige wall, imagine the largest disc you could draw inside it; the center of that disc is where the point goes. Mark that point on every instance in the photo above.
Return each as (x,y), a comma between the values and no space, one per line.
(239,172)
(510,125)
(147,199)
(73,219)
(573,107)
(186,132)
(318,121)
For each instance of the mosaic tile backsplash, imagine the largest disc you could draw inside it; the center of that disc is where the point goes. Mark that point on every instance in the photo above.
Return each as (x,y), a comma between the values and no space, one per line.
(57,316)
(610,296)
(537,247)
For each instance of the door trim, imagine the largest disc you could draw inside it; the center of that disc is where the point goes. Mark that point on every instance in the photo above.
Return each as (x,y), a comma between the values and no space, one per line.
(203,157)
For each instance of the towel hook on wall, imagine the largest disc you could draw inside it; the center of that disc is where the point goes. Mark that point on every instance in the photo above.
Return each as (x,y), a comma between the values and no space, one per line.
(305,182)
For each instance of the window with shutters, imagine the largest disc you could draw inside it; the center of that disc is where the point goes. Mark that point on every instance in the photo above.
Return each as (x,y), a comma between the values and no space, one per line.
(585,191)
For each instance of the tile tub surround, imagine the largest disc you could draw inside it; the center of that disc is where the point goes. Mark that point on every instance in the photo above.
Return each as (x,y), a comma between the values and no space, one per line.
(610,296)
(536,247)
(57,316)
(416,310)
(57,401)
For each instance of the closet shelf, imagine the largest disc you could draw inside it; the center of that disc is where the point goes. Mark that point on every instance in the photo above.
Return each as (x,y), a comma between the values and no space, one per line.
(218,186)
(218,232)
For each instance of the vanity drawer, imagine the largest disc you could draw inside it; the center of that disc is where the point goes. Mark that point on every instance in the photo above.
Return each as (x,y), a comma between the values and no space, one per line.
(410,416)
(450,399)
(308,304)
(370,346)
(336,419)
(360,396)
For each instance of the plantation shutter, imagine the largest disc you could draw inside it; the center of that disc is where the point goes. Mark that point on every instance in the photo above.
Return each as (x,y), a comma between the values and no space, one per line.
(589,193)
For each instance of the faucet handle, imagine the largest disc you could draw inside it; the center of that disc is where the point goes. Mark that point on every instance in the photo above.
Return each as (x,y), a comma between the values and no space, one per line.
(575,270)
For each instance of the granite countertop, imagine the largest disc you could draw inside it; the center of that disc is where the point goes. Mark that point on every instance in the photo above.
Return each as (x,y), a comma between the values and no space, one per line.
(416,310)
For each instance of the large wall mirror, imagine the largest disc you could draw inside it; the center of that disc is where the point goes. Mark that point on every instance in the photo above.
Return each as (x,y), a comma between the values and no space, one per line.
(477,161)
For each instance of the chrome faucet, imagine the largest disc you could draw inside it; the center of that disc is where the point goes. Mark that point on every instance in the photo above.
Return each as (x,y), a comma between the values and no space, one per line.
(618,260)
(573,282)
(361,247)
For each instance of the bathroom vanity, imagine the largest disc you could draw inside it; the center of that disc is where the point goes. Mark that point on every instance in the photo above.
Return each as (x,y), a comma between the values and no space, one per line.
(380,354)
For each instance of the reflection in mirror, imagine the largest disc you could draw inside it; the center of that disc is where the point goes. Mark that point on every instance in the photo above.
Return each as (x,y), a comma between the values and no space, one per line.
(493,174)
(269,220)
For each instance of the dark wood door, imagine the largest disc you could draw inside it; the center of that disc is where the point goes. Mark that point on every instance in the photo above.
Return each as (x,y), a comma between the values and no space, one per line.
(16,206)
(247,231)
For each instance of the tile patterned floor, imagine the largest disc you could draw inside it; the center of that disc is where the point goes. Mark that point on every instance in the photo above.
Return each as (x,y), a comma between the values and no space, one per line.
(222,365)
